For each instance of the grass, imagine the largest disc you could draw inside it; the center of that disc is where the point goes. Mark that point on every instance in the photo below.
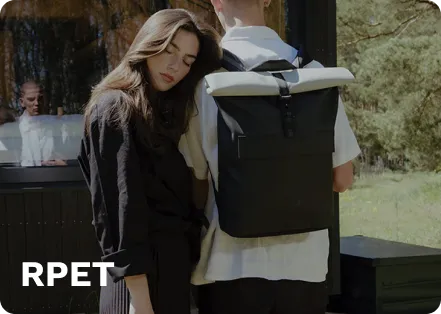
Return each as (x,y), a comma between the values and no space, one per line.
(394,206)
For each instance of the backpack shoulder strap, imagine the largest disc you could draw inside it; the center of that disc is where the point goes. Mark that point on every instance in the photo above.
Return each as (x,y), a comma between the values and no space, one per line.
(231,62)
(274,66)
(301,60)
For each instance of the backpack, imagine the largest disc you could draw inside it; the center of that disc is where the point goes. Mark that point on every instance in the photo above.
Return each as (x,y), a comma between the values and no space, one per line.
(275,129)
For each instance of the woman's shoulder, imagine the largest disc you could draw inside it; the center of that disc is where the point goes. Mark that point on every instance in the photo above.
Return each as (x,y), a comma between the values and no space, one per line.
(106,106)
(108,100)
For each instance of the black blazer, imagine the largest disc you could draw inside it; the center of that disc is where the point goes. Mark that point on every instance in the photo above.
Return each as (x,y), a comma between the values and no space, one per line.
(135,191)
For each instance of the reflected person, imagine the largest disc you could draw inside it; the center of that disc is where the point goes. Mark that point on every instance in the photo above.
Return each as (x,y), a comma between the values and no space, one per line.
(37,129)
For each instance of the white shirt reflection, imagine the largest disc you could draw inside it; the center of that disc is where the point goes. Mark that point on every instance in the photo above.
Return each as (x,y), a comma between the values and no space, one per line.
(41,140)
(37,140)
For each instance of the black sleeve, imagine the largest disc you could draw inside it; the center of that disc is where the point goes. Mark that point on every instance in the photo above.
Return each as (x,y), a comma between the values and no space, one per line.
(111,166)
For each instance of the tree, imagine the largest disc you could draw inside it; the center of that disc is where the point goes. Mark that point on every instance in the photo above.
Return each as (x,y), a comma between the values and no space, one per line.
(395,103)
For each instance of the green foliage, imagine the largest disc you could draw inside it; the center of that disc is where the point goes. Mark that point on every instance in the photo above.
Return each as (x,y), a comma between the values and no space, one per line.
(395,104)
(394,206)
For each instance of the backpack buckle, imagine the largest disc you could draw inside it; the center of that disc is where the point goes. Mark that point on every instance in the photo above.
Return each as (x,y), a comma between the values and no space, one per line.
(288,117)
(286,98)
(285,106)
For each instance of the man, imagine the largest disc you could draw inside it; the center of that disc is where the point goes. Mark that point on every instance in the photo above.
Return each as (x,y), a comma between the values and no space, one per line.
(31,98)
(36,129)
(281,274)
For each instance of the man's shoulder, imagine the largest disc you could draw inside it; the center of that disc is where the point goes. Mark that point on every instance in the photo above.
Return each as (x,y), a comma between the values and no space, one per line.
(253,52)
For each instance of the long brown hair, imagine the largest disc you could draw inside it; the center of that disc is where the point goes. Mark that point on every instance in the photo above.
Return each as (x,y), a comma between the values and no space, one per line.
(137,97)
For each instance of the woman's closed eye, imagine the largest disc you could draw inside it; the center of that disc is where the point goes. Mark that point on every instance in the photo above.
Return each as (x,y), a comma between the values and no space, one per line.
(170,49)
(188,61)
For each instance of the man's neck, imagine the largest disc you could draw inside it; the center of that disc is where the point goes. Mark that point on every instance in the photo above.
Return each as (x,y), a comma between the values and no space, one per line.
(245,20)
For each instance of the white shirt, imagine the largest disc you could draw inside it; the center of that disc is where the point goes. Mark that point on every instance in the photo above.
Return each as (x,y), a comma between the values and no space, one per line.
(293,257)
(48,137)
(37,140)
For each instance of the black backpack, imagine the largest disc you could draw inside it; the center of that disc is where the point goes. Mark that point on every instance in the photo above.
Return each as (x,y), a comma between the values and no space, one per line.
(274,151)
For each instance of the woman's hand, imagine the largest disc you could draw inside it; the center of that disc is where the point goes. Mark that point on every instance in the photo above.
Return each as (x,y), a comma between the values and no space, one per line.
(139,295)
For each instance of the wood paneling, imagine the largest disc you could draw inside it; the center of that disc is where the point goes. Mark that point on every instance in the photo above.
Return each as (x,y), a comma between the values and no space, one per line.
(274,15)
(56,9)
(47,226)
(6,69)
(203,8)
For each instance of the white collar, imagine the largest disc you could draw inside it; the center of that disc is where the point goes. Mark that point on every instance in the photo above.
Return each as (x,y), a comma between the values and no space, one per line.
(250,32)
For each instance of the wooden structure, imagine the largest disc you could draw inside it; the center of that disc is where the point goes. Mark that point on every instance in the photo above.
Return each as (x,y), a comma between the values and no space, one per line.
(312,23)
(45,213)
(388,277)
(48,225)
(274,15)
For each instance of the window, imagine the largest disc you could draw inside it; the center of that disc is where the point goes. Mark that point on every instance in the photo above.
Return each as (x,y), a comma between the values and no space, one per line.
(51,54)
(394,109)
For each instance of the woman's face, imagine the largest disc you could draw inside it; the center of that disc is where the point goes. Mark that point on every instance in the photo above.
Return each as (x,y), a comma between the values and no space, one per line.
(170,66)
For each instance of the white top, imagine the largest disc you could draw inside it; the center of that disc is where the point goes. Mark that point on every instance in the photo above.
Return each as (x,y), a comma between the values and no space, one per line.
(37,140)
(294,257)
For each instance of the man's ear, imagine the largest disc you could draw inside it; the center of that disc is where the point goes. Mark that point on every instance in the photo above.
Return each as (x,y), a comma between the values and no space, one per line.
(21,102)
(217,4)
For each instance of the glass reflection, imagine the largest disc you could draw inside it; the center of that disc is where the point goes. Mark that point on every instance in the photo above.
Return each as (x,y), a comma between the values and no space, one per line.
(51,54)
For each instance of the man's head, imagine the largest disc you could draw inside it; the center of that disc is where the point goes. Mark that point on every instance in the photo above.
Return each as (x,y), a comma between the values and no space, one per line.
(31,98)
(240,12)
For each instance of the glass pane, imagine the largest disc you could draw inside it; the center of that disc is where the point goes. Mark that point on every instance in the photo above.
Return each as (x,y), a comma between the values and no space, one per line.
(394,109)
(51,54)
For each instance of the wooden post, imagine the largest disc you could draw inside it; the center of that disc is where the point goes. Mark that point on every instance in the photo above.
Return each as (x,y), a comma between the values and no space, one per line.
(312,23)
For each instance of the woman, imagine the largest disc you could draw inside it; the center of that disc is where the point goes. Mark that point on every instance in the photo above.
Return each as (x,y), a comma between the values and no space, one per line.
(140,184)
